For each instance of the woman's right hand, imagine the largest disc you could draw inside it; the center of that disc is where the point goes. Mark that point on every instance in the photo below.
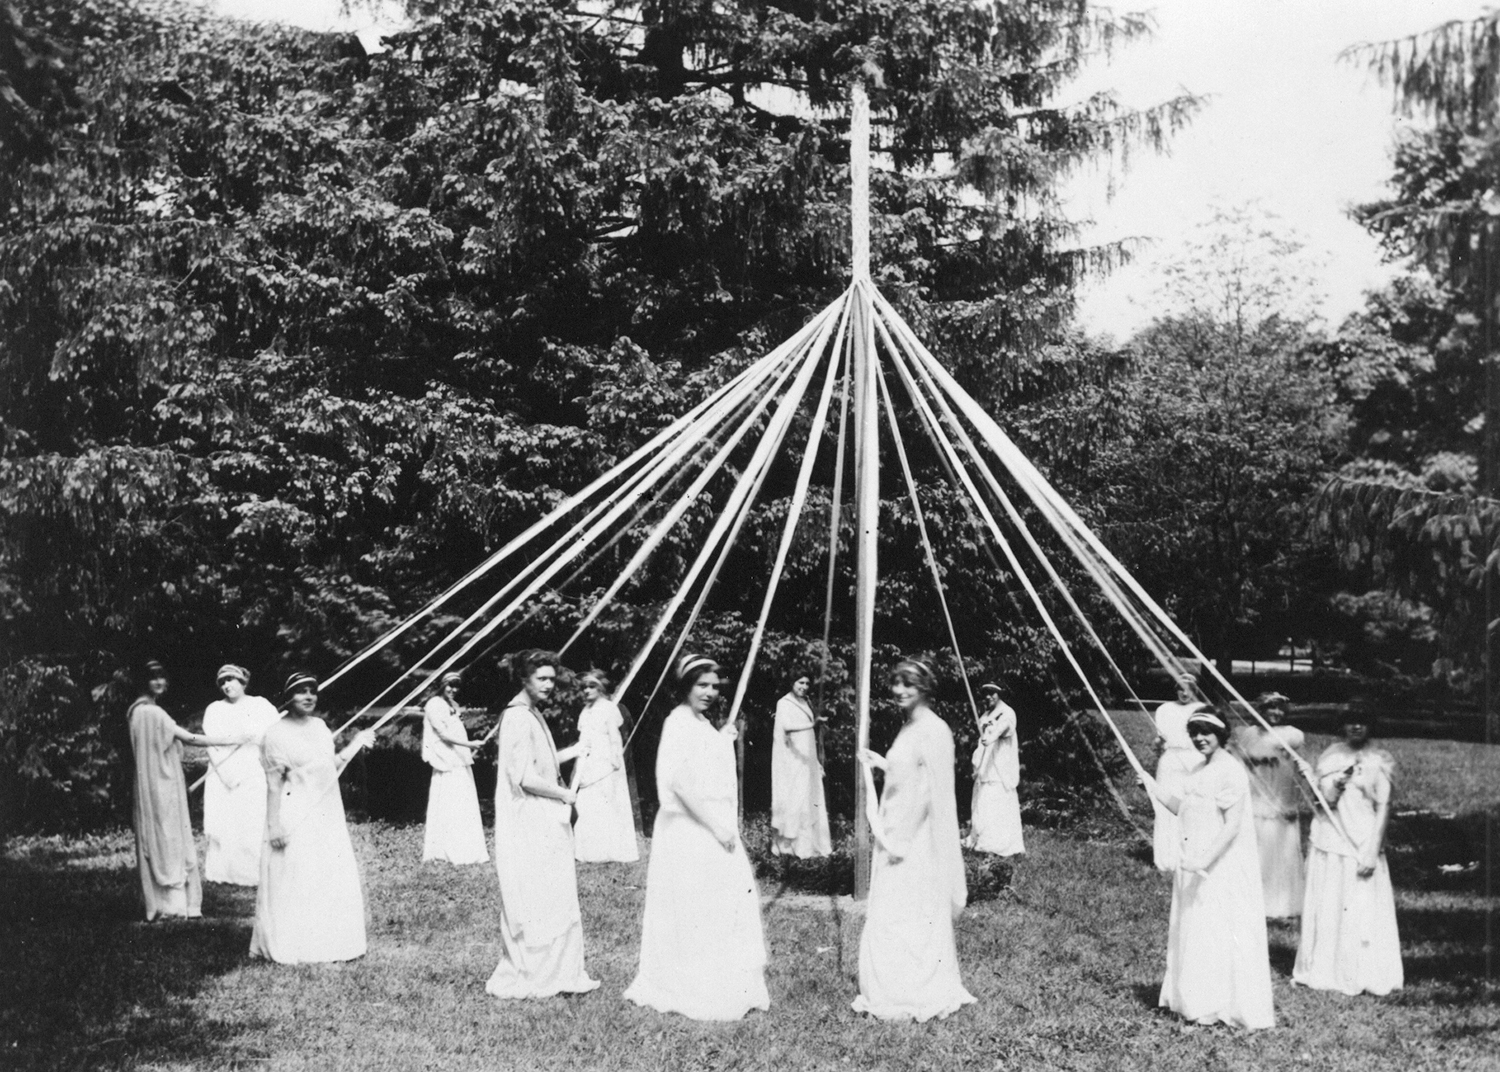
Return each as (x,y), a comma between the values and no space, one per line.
(871,758)
(277,837)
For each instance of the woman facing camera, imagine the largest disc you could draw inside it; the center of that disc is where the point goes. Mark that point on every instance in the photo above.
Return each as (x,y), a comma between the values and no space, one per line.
(1349,938)
(309,907)
(1218,969)
(541,929)
(799,814)
(703,952)
(605,830)
(166,858)
(454,831)
(908,961)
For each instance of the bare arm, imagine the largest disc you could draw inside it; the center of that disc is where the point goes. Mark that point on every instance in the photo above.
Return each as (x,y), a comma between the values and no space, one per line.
(201,741)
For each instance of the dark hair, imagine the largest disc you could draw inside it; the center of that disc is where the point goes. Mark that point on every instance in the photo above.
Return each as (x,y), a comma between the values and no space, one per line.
(1221,732)
(520,665)
(1361,717)
(800,672)
(916,673)
(689,669)
(149,670)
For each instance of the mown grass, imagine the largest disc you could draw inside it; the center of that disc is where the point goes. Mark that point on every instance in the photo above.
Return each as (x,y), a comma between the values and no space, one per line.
(1065,964)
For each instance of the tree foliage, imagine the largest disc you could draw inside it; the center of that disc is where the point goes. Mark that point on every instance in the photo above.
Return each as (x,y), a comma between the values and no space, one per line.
(291,336)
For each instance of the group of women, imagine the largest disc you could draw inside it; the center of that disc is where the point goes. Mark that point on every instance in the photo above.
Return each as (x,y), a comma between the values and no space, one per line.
(703,951)
(1229,828)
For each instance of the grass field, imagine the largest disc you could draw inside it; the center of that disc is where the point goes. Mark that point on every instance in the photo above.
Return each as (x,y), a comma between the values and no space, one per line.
(1065,966)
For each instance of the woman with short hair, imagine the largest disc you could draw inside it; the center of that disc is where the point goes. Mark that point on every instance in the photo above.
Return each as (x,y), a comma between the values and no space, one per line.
(166,858)
(1218,968)
(541,928)
(799,812)
(234,794)
(454,831)
(995,811)
(309,907)
(703,951)
(605,830)
(1349,938)
(908,959)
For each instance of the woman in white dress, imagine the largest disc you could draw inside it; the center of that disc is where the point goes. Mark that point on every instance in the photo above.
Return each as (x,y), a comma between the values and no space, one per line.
(234,795)
(454,830)
(703,951)
(1349,937)
(1178,757)
(1218,968)
(165,855)
(605,830)
(1276,804)
(309,908)
(908,960)
(995,815)
(799,812)
(541,929)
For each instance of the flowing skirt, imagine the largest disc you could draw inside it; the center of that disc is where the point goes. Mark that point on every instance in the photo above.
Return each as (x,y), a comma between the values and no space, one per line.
(1349,938)
(1218,969)
(184,900)
(1281,869)
(454,830)
(605,830)
(540,970)
(703,951)
(995,822)
(908,959)
(309,907)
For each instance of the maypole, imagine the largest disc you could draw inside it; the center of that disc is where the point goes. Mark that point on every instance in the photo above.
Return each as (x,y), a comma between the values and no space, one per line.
(866,468)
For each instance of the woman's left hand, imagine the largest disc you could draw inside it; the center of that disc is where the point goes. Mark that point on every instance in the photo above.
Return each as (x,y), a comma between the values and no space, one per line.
(1365,867)
(730,730)
(364,739)
(1194,865)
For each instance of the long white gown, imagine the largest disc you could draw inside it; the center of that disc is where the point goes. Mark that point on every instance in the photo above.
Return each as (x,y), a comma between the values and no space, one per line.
(454,831)
(799,812)
(1178,757)
(166,858)
(995,814)
(234,796)
(908,960)
(309,907)
(541,929)
(1349,938)
(605,830)
(703,952)
(1276,803)
(1218,967)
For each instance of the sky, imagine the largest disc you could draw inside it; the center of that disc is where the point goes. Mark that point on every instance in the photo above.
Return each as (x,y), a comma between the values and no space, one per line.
(1287,128)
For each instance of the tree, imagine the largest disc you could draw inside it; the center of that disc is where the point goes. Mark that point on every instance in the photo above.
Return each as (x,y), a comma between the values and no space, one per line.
(292,336)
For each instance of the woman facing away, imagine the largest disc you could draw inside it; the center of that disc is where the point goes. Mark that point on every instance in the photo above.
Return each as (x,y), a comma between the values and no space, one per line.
(454,830)
(1218,967)
(541,929)
(166,858)
(908,959)
(799,812)
(703,952)
(605,830)
(1349,938)
(234,795)
(1272,757)
(995,812)
(310,907)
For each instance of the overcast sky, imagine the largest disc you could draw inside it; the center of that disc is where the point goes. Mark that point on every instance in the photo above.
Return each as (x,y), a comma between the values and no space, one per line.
(1288,127)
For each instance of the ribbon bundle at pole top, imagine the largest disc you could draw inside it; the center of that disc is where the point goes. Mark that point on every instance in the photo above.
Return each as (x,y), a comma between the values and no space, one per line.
(648,497)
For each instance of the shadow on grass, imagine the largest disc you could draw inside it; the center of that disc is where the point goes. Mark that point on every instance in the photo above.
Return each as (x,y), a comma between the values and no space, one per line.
(84,983)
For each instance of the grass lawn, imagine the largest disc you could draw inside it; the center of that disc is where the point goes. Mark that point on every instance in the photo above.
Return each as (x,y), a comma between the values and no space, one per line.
(1066,968)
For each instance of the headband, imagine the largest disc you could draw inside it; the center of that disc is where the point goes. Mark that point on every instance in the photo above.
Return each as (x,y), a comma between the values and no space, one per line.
(989,687)
(297,680)
(689,665)
(1208,717)
(152,668)
(229,670)
(452,677)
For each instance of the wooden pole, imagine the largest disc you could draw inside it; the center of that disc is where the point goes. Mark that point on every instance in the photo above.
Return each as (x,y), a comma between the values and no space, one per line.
(866,466)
